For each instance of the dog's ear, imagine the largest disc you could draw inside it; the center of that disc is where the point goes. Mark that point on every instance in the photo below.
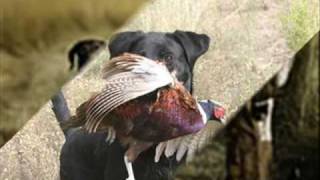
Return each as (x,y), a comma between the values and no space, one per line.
(122,42)
(194,44)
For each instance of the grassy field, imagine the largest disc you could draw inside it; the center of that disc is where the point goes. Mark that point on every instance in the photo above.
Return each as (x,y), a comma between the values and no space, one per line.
(35,36)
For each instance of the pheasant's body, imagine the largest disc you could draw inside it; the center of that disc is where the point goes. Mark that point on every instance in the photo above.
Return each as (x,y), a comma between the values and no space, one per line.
(154,119)
(168,113)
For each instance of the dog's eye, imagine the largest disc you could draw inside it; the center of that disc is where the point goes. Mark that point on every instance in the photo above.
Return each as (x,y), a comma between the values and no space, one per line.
(168,57)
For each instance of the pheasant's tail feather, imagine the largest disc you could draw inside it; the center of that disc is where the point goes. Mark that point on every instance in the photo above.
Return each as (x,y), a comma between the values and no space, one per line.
(119,64)
(99,107)
(136,65)
(114,95)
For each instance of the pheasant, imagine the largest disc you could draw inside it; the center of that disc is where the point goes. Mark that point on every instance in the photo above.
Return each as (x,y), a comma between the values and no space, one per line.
(143,104)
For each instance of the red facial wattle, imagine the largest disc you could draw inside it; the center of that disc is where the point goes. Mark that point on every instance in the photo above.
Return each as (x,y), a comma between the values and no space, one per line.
(219,113)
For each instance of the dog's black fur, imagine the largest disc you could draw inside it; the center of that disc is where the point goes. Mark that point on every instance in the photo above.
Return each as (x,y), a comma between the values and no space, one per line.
(87,156)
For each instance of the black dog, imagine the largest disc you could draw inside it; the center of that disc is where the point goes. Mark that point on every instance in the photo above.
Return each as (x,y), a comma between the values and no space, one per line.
(80,53)
(88,156)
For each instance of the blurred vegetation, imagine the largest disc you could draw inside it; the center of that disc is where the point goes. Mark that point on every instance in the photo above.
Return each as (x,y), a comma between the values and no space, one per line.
(37,24)
(297,118)
(300,22)
(35,36)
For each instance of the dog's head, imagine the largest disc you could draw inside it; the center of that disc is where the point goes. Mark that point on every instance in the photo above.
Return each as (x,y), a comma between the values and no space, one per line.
(179,50)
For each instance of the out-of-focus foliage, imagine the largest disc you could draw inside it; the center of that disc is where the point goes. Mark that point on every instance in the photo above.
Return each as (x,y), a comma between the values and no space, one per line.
(301,21)
(35,24)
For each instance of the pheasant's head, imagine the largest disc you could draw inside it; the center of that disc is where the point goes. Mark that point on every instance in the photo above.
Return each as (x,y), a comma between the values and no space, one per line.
(213,111)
